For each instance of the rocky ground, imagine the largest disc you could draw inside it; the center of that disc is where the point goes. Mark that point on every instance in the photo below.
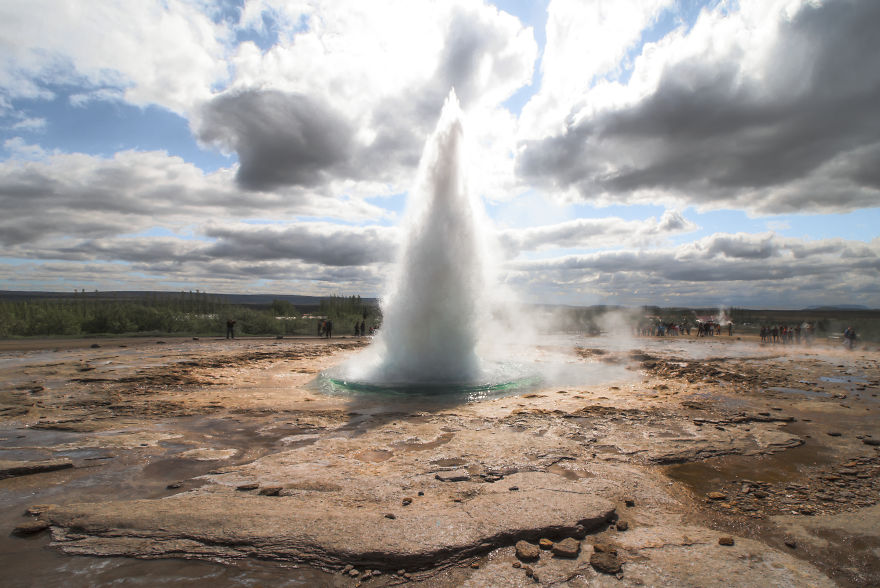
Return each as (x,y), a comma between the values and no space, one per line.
(698,462)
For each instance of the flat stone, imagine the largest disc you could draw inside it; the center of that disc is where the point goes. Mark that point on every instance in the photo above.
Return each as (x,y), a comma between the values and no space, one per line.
(567,548)
(527,551)
(10,469)
(271,490)
(717,495)
(871,442)
(247,486)
(454,476)
(725,541)
(545,543)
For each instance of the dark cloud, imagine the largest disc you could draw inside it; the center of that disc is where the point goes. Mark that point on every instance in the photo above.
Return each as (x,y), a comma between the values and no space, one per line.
(243,248)
(724,257)
(715,133)
(281,139)
(78,197)
(478,57)
(330,245)
(285,139)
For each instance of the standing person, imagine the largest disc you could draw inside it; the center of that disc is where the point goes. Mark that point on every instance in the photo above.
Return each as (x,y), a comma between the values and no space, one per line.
(730,329)
(230,329)
(363,328)
(357,329)
(849,337)
(328,329)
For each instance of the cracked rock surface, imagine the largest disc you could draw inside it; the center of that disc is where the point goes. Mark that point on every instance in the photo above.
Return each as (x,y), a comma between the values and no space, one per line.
(226,452)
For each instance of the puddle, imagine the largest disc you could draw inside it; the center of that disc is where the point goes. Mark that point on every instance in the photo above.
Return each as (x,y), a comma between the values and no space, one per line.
(374,455)
(141,472)
(800,392)
(450,462)
(414,445)
(842,380)
(786,466)
(564,472)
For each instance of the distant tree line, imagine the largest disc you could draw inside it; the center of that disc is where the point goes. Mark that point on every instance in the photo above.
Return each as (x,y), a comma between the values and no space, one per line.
(345,311)
(184,313)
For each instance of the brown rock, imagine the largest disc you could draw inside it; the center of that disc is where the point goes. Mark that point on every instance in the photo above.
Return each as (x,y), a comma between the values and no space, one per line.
(38,509)
(604,548)
(248,486)
(545,544)
(527,551)
(717,495)
(604,562)
(567,548)
(30,528)
(622,525)
(9,469)
(407,501)
(454,476)
(725,541)
(270,490)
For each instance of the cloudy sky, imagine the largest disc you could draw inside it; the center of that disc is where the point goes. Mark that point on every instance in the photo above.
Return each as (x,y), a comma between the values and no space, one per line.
(627,152)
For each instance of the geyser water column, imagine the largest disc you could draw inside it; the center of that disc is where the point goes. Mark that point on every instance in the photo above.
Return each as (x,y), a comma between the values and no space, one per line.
(434,304)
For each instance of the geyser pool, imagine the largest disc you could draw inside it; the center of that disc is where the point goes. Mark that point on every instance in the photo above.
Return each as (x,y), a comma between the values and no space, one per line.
(436,306)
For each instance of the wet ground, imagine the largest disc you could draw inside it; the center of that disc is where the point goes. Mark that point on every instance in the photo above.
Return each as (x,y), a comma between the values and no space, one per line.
(773,445)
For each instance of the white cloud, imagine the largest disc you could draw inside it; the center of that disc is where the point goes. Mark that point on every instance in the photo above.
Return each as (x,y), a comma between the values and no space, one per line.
(30,124)
(167,53)
(778,272)
(585,41)
(101,95)
(597,233)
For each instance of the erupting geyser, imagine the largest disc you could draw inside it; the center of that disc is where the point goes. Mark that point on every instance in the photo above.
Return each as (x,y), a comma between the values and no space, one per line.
(435,307)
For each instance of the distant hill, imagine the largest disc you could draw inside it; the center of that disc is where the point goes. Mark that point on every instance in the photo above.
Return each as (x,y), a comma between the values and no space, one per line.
(838,307)
(244,299)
